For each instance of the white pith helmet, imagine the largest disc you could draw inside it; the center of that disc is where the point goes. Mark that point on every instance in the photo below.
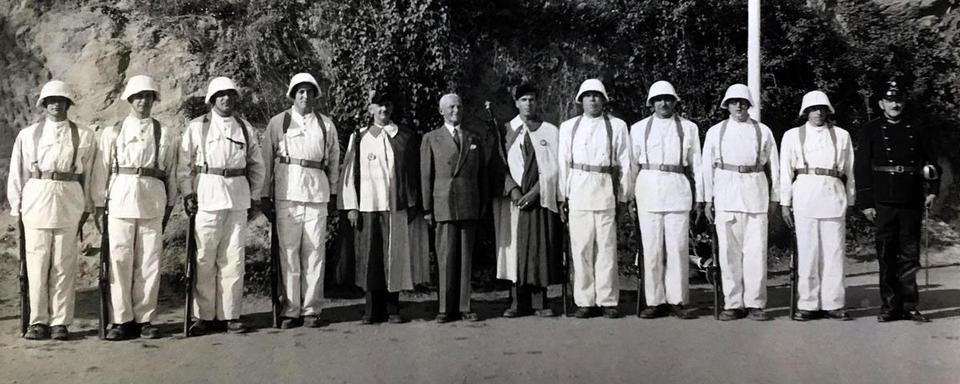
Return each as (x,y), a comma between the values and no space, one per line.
(301,78)
(661,88)
(140,83)
(219,84)
(813,99)
(737,91)
(55,88)
(592,85)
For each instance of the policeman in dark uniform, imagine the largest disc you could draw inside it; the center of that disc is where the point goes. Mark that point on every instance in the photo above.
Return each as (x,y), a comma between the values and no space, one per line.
(896,173)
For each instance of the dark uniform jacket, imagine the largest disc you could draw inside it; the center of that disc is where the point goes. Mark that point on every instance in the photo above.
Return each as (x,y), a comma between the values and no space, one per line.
(881,143)
(453,182)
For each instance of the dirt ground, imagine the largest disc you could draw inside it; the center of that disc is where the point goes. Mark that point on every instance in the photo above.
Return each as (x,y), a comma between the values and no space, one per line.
(526,350)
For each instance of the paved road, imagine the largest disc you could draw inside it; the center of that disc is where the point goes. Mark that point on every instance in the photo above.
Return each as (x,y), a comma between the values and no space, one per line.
(527,350)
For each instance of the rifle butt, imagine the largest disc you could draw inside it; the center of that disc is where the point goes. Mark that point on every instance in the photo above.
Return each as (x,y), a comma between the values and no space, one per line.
(189,274)
(24,281)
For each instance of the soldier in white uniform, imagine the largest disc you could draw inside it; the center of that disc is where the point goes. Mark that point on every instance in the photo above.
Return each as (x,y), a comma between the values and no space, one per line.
(302,155)
(48,167)
(220,172)
(666,148)
(735,154)
(817,184)
(594,159)
(134,183)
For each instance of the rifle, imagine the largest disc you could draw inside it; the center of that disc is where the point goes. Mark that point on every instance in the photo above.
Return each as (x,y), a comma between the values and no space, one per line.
(567,253)
(794,266)
(190,274)
(275,280)
(714,273)
(24,281)
(104,278)
(496,130)
(641,290)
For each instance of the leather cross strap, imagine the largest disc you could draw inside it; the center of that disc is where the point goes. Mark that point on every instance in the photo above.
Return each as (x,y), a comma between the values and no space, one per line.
(757,168)
(56,175)
(612,169)
(807,169)
(154,171)
(646,154)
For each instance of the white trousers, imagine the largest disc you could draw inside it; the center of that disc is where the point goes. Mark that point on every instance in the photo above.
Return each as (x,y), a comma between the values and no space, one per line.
(302,230)
(593,240)
(135,249)
(51,270)
(820,249)
(743,258)
(665,260)
(220,264)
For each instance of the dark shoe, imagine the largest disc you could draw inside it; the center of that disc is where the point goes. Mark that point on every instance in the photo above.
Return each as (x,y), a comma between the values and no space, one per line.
(443,318)
(59,332)
(611,313)
(837,314)
(236,326)
(732,314)
(367,320)
(313,321)
(757,314)
(804,315)
(470,316)
(511,313)
(201,327)
(888,316)
(915,315)
(678,311)
(37,332)
(149,331)
(115,333)
(546,312)
(396,319)
(290,322)
(584,312)
(654,312)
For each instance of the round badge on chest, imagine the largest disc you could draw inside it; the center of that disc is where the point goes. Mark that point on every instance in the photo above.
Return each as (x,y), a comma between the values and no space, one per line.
(371,157)
(543,142)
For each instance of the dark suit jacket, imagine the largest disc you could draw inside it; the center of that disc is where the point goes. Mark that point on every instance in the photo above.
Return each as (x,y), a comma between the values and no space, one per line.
(452,181)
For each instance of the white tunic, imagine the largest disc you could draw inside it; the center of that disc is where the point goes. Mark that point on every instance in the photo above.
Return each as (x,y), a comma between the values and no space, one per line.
(132,144)
(376,172)
(307,140)
(593,191)
(658,191)
(225,148)
(817,196)
(49,203)
(734,191)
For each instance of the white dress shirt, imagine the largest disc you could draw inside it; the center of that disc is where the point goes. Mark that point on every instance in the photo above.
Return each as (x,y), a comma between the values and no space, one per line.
(734,191)
(593,191)
(225,148)
(132,144)
(376,172)
(49,203)
(658,191)
(817,196)
(305,139)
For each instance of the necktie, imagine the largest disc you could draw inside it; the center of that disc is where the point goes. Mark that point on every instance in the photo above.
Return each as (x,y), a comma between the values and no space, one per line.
(456,137)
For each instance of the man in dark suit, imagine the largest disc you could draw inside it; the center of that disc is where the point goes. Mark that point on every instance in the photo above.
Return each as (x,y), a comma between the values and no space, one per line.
(452,163)
(897,178)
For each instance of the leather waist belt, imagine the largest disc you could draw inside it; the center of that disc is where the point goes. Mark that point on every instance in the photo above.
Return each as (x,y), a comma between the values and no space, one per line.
(908,169)
(608,169)
(142,171)
(664,167)
(739,168)
(820,172)
(57,176)
(225,172)
(302,162)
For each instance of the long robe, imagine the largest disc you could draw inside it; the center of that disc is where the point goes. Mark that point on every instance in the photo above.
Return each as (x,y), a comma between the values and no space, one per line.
(538,229)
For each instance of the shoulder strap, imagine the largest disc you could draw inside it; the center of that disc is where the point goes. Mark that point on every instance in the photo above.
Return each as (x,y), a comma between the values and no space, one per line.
(756,129)
(75,135)
(36,142)
(573,134)
(676,121)
(723,130)
(156,143)
(323,135)
(204,129)
(609,128)
(802,131)
(646,135)
(286,121)
(836,150)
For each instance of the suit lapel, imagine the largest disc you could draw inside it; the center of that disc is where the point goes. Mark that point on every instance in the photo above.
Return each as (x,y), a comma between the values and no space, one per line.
(465,142)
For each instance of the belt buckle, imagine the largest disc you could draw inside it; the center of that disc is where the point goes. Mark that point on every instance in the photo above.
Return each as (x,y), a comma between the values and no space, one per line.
(742,168)
(139,171)
(899,169)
